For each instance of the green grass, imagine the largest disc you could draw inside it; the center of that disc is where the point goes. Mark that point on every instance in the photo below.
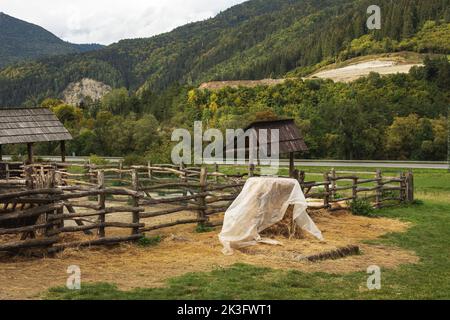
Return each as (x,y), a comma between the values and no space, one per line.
(149,241)
(429,237)
(76,169)
(202,228)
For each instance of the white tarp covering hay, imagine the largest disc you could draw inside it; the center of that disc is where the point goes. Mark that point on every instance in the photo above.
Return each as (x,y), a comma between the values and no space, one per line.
(263,203)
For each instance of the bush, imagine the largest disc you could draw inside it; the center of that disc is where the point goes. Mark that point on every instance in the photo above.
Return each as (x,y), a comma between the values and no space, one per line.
(149,242)
(160,153)
(134,160)
(361,207)
(76,169)
(390,194)
(16,158)
(94,159)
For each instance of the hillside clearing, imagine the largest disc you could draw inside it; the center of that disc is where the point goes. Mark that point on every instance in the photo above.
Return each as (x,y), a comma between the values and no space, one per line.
(358,70)
(348,73)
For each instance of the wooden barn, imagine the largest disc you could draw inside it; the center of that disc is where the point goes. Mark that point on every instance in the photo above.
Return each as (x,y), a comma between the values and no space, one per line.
(291,140)
(29,126)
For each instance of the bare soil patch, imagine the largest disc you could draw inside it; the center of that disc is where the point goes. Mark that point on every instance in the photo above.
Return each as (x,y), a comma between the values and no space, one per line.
(217,85)
(182,250)
(358,70)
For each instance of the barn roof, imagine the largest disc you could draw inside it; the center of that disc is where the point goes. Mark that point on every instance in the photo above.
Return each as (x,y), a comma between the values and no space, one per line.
(291,139)
(30,125)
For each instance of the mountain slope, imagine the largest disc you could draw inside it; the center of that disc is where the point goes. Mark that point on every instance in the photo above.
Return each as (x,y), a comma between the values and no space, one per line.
(20,40)
(254,40)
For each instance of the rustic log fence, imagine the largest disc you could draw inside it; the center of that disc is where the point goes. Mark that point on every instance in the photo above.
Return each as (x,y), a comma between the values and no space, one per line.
(100,203)
(381,192)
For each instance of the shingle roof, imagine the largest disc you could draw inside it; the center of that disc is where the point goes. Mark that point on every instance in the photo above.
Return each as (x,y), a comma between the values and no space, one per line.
(30,125)
(291,139)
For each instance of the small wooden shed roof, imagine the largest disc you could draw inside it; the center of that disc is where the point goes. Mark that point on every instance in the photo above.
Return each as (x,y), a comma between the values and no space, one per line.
(291,139)
(30,125)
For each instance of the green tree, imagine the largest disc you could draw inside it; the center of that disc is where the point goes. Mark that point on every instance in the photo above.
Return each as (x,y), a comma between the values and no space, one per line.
(145,134)
(402,137)
(117,102)
(67,113)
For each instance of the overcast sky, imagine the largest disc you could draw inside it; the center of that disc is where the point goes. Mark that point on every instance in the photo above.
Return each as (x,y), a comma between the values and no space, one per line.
(108,21)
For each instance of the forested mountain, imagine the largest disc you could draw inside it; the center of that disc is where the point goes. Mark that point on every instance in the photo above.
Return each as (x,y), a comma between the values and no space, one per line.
(154,81)
(256,39)
(20,40)
(397,116)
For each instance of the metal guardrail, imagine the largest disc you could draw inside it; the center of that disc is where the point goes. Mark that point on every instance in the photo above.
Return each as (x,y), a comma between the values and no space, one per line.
(300,162)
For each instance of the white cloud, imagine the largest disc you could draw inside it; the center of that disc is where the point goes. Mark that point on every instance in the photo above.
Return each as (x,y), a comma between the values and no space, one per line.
(107,21)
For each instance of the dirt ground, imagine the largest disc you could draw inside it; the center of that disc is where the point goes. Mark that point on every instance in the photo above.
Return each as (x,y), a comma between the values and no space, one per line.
(355,71)
(182,250)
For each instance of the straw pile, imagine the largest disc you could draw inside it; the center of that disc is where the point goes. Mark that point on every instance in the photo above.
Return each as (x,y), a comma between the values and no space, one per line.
(286,228)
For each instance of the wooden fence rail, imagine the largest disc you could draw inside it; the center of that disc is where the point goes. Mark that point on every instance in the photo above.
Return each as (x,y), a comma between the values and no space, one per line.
(41,208)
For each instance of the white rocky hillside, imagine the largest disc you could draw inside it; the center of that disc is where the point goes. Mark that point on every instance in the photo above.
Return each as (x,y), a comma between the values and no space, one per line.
(77,92)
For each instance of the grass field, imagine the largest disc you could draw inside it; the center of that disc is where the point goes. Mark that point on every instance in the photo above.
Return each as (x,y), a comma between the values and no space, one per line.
(429,279)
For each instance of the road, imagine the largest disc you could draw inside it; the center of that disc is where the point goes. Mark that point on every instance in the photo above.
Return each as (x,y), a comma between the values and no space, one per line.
(374,164)
(309,163)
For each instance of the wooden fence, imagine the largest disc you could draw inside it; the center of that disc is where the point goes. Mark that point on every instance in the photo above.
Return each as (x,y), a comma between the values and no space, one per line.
(107,204)
(379,190)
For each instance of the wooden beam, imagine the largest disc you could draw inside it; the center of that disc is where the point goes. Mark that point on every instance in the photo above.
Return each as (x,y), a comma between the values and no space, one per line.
(30,152)
(96,242)
(63,151)
(410,186)
(291,164)
(1,152)
(28,244)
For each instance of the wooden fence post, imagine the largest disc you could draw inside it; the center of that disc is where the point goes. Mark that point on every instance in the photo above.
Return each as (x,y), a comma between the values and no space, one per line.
(216,170)
(333,183)
(202,199)
(326,198)
(92,173)
(183,177)
(28,172)
(251,170)
(403,187)
(135,200)
(301,180)
(150,171)
(49,183)
(53,182)
(379,191)
(7,171)
(182,166)
(302,177)
(355,189)
(410,186)
(120,170)
(42,172)
(101,202)
(296,175)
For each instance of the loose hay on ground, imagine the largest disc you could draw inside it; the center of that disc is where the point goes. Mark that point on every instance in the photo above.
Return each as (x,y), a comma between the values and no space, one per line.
(131,266)
(286,228)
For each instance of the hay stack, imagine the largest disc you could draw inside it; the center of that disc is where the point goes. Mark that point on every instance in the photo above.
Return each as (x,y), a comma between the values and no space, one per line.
(286,228)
